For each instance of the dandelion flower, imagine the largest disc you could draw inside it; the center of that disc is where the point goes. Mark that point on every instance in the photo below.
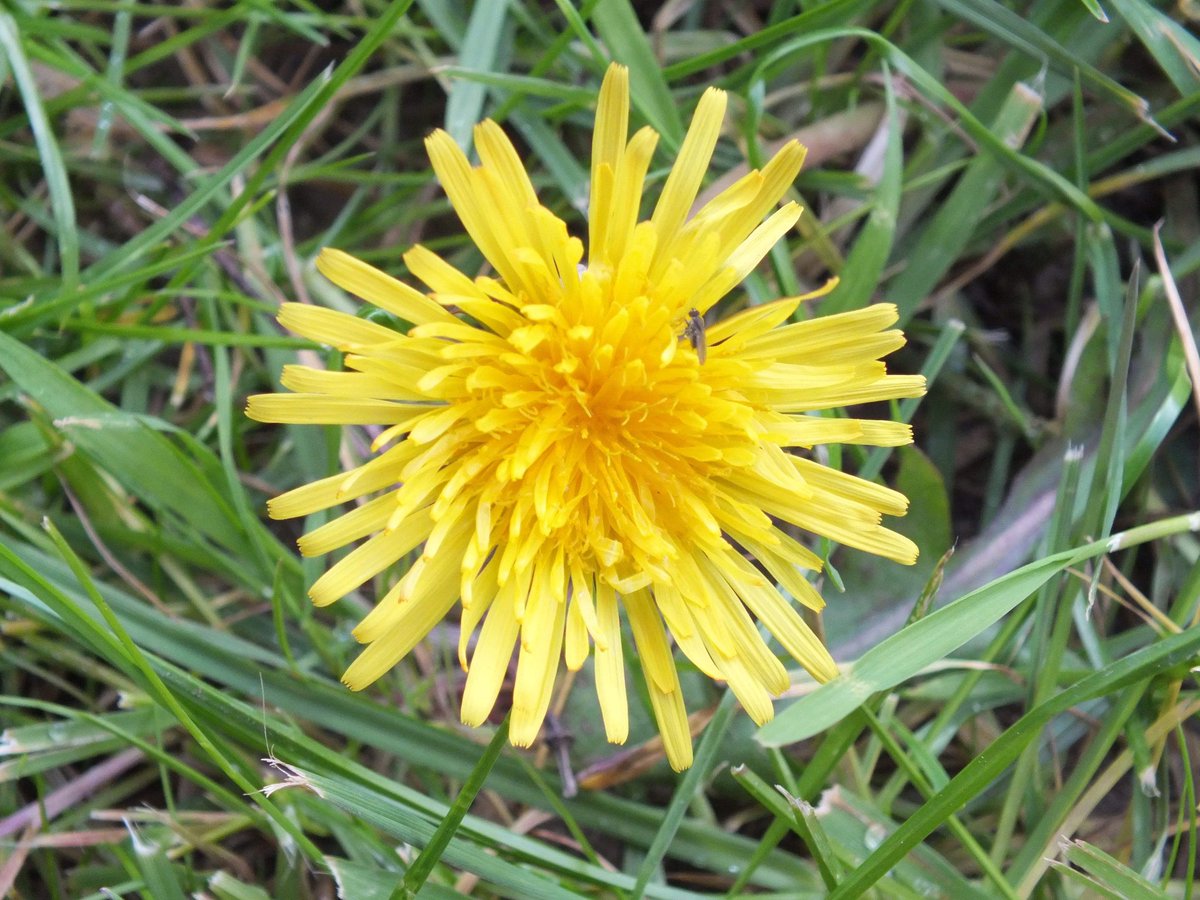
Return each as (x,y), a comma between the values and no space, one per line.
(568,447)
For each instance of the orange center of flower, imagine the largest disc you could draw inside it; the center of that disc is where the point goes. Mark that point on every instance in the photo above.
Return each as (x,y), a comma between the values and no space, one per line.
(599,429)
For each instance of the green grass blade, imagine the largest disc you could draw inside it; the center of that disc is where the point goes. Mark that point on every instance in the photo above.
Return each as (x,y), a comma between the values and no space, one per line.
(518,86)
(58,185)
(690,786)
(860,276)
(225,887)
(365,882)
(163,695)
(212,186)
(798,816)
(383,810)
(406,814)
(1018,32)
(1096,10)
(1174,48)
(1117,876)
(939,634)
(618,27)
(573,179)
(481,49)
(578,26)
(1040,175)
(418,872)
(159,874)
(835,13)
(158,473)
(985,768)
(282,132)
(1040,836)
(945,238)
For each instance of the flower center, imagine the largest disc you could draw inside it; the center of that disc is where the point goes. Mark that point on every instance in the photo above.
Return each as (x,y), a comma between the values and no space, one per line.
(604,429)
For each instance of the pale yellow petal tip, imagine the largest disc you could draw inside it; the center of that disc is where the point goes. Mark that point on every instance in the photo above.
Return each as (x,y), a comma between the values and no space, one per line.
(337,266)
(794,148)
(789,211)
(321,598)
(680,757)
(473,719)
(761,715)
(286,311)
(418,252)
(615,76)
(254,411)
(891,310)
(439,136)
(488,129)
(712,103)
(824,289)
(523,734)
(441,148)
(822,669)
(354,683)
(329,256)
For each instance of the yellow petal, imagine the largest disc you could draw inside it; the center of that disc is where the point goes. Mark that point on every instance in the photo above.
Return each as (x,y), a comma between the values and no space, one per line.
(666,698)
(338,329)
(610,667)
(493,651)
(368,560)
(688,171)
(478,594)
(357,523)
(318,409)
(377,473)
(537,664)
(410,628)
(431,581)
(608,146)
(376,287)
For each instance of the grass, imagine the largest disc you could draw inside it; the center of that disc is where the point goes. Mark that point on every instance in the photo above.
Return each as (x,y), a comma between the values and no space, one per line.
(1016,717)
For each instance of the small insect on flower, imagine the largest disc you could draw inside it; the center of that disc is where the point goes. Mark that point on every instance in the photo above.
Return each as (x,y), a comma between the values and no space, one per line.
(694,331)
(565,475)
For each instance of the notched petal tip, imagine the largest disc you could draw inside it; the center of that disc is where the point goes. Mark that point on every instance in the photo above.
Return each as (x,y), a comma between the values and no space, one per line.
(328,255)
(827,674)
(525,726)
(439,136)
(710,96)
(680,759)
(353,683)
(256,407)
(472,720)
(616,76)
(445,155)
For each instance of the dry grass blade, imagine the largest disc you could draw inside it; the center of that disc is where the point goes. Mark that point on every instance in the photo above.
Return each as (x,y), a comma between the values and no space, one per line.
(1187,337)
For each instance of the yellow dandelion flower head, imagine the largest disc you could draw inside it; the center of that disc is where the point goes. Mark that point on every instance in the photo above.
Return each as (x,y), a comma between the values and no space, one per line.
(565,440)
